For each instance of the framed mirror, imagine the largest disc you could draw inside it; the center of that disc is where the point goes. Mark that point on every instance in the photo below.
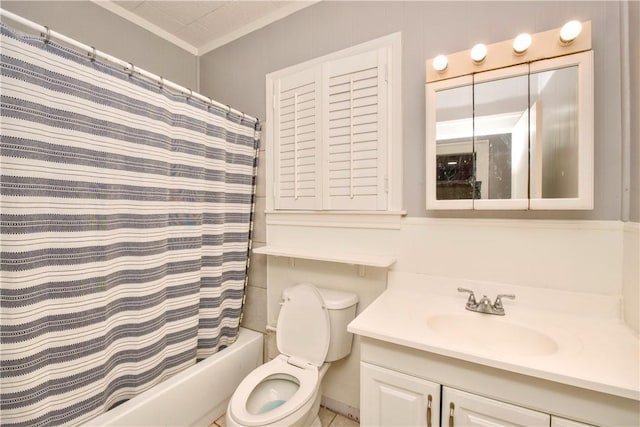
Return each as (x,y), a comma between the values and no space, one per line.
(451,158)
(501,138)
(561,132)
(519,137)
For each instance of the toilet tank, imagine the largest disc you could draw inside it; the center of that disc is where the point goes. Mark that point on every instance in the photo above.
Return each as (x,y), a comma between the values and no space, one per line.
(342,310)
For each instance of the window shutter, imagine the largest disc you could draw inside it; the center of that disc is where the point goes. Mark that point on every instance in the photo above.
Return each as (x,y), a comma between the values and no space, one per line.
(355,132)
(297,141)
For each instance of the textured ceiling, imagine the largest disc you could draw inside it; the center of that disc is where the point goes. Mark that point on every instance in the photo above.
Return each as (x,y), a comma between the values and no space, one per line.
(200,26)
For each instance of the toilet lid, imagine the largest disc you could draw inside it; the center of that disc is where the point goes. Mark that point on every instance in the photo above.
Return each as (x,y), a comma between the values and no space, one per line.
(303,325)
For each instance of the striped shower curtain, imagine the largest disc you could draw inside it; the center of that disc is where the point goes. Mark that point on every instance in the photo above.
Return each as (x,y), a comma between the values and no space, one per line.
(126,213)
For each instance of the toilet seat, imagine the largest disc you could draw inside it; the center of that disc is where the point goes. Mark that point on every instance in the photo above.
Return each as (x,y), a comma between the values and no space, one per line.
(306,377)
(304,327)
(303,336)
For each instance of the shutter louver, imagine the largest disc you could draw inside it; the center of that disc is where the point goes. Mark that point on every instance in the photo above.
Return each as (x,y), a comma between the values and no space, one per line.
(297,109)
(355,132)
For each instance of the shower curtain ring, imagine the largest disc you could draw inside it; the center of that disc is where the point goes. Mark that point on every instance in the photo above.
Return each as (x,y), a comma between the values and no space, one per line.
(131,67)
(190,94)
(228,110)
(47,34)
(209,104)
(161,82)
(92,54)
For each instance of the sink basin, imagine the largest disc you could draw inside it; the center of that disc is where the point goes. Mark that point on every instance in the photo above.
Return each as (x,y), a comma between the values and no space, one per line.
(492,333)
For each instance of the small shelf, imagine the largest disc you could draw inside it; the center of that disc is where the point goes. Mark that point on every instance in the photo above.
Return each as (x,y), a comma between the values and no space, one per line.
(351,258)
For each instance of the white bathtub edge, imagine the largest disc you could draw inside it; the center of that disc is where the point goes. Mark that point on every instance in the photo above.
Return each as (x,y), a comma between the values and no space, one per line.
(194,397)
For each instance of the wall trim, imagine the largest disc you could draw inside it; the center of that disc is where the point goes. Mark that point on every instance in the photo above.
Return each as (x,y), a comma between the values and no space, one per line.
(214,44)
(141,22)
(255,25)
(341,408)
(519,223)
(631,227)
(373,220)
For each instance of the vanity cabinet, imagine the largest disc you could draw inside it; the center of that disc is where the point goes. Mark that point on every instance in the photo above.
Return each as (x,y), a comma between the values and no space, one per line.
(390,398)
(561,422)
(466,409)
(396,382)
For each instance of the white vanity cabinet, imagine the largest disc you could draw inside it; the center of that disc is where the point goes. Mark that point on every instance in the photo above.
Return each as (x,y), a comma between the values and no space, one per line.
(465,409)
(396,382)
(561,422)
(390,398)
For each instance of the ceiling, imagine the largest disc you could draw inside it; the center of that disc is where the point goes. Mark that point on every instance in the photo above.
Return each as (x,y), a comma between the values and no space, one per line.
(201,26)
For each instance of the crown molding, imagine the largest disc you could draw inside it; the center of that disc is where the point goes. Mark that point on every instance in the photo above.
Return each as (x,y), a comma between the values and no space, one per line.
(256,25)
(214,44)
(141,22)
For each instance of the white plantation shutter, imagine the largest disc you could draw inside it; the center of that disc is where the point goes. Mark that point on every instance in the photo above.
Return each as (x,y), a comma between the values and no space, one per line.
(355,121)
(297,142)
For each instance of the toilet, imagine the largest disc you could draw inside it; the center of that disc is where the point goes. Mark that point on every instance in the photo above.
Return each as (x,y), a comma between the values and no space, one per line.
(311,332)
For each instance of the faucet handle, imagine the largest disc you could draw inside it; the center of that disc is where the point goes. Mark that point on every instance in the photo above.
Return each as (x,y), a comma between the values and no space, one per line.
(498,303)
(472,298)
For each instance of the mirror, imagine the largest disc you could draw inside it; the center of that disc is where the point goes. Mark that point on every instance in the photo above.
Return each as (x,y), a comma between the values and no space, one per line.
(513,138)
(455,159)
(555,94)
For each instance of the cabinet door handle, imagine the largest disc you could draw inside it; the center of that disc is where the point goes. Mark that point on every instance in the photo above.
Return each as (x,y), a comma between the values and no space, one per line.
(451,408)
(429,400)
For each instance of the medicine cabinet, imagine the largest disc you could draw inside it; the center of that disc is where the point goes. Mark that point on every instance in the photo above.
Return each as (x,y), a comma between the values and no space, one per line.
(519,137)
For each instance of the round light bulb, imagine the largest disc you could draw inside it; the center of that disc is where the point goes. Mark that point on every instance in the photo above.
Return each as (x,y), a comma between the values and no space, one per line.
(570,31)
(479,53)
(440,63)
(521,43)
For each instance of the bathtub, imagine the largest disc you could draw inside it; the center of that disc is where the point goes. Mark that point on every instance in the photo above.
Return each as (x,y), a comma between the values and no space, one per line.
(194,397)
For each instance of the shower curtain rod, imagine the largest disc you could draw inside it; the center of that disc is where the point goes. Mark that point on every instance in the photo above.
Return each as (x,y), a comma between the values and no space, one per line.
(128,66)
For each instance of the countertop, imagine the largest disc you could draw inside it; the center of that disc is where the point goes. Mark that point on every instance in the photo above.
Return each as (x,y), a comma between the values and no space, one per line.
(595,349)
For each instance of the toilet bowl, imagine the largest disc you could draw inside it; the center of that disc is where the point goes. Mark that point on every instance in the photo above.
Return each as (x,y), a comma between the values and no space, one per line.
(287,390)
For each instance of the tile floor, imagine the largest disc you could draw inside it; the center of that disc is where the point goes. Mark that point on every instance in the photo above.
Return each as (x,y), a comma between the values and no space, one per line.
(327,418)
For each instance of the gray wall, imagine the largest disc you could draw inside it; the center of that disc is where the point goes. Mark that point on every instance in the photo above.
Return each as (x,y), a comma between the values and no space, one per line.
(95,26)
(634,54)
(235,73)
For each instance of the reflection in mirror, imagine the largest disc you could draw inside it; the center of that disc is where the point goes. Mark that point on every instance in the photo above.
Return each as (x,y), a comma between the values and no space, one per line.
(554,145)
(501,137)
(485,156)
(454,144)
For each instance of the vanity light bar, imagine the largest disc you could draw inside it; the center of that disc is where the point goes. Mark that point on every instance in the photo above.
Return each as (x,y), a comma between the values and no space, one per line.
(478,53)
(521,43)
(573,37)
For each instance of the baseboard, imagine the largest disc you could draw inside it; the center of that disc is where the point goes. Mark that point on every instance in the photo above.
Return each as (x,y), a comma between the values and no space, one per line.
(341,408)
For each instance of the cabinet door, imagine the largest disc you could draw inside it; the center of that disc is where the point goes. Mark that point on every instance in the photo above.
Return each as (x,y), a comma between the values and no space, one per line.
(465,409)
(355,120)
(561,422)
(389,398)
(297,136)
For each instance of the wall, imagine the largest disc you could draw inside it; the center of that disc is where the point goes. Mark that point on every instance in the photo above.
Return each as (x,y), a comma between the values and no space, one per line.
(95,26)
(597,255)
(235,73)
(631,279)
(634,71)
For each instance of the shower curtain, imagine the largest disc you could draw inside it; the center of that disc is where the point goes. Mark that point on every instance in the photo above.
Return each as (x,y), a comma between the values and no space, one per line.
(126,212)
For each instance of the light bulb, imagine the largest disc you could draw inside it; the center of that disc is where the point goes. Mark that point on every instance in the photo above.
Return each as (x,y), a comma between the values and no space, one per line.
(570,31)
(521,43)
(479,53)
(440,63)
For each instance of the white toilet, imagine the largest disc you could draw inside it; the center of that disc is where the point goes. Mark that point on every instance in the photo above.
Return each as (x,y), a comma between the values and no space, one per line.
(312,330)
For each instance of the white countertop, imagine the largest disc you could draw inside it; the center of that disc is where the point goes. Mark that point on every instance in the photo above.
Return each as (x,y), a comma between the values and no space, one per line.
(595,349)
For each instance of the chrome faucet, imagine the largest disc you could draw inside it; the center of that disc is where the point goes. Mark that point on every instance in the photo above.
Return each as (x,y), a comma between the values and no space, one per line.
(485,305)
